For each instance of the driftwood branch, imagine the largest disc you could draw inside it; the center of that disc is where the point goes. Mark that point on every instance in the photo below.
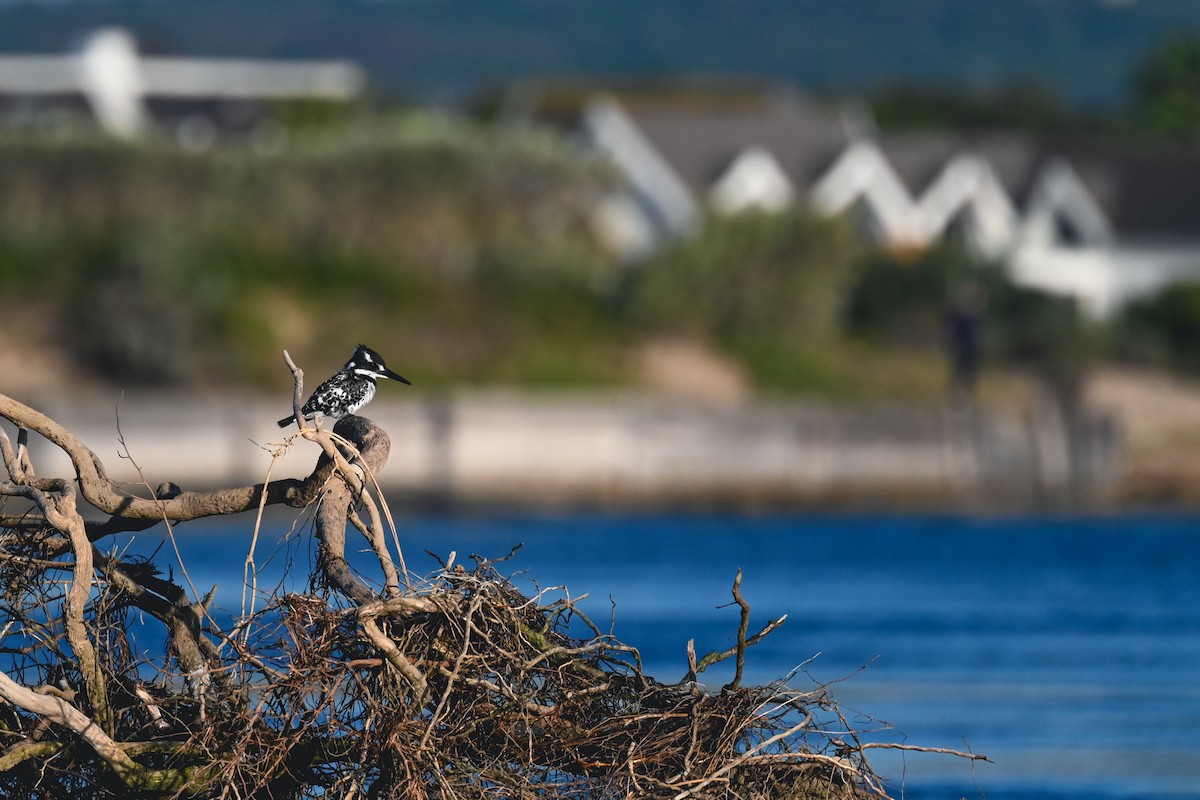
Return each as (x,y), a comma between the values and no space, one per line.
(945,751)
(130,512)
(743,624)
(61,712)
(368,618)
(743,642)
(59,510)
(164,600)
(298,390)
(373,446)
(355,449)
(432,689)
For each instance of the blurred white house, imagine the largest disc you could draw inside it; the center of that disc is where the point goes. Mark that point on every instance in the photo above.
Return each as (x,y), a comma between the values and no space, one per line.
(1103,227)
(130,94)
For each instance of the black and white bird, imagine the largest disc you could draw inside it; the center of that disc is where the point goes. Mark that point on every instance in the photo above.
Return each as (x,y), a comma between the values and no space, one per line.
(350,388)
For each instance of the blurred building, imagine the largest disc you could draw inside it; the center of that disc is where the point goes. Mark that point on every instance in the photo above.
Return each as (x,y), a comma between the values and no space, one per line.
(1103,227)
(129,94)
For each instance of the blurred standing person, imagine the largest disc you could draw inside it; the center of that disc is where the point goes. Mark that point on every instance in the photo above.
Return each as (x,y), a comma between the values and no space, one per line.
(964,333)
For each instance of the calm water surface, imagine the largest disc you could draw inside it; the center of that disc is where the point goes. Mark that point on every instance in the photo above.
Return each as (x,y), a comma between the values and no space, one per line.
(1067,650)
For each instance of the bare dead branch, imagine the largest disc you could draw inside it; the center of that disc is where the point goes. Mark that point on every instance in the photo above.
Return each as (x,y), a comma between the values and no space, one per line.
(741,632)
(373,446)
(59,510)
(127,509)
(717,656)
(455,686)
(919,749)
(63,713)
(298,393)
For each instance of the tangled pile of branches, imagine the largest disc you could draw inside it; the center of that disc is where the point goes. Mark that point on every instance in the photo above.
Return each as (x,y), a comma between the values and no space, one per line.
(452,686)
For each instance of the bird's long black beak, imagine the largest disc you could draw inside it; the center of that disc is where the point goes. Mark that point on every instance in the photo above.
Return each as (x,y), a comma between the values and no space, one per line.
(387,373)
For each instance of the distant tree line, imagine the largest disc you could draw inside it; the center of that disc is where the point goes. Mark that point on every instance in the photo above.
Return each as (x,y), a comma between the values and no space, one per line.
(1163,102)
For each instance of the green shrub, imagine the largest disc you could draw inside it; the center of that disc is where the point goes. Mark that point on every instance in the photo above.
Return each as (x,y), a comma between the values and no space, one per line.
(1163,330)
(907,302)
(904,302)
(169,267)
(775,276)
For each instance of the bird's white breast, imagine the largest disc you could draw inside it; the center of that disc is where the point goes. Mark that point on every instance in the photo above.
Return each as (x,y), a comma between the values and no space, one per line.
(368,393)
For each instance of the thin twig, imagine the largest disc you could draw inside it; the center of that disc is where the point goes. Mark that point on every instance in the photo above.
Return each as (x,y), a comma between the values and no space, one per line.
(918,749)
(741,633)
(298,393)
(454,672)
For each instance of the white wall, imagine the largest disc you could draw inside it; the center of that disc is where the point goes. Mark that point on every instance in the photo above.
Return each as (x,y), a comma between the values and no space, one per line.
(1105,280)
(532,448)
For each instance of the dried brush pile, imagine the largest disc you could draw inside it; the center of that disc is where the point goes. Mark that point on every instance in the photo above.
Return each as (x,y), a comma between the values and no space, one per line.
(480,691)
(455,686)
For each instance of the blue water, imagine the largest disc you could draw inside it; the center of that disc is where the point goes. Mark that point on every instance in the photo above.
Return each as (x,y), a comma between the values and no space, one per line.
(1066,650)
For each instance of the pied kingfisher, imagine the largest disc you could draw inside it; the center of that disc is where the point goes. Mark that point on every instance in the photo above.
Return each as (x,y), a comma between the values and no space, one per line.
(351,387)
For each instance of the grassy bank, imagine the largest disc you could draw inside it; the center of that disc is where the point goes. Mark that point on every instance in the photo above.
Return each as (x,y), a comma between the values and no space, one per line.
(464,253)
(168,267)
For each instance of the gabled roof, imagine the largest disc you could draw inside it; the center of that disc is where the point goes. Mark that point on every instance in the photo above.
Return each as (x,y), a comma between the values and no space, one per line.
(919,157)
(1146,191)
(1013,157)
(754,180)
(754,144)
(703,136)
(1059,197)
(861,178)
(737,144)
(654,184)
(703,125)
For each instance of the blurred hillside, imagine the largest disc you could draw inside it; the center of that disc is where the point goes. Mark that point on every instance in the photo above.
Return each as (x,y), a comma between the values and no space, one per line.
(150,265)
(465,254)
(473,254)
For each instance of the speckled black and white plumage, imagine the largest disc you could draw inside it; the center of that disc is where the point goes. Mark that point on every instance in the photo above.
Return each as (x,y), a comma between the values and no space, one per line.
(350,388)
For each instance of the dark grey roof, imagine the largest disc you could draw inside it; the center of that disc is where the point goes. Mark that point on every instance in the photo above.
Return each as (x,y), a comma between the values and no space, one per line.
(1145,191)
(1015,159)
(701,128)
(701,136)
(919,157)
